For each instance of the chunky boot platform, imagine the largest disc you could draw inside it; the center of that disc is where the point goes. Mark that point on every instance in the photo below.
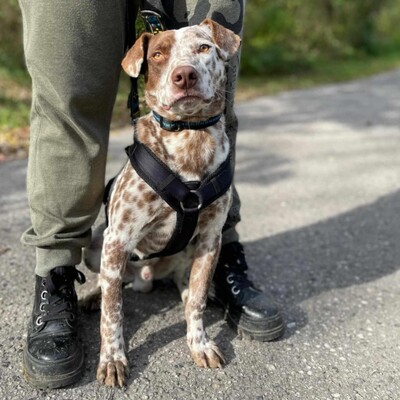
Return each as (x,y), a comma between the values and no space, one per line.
(53,354)
(250,311)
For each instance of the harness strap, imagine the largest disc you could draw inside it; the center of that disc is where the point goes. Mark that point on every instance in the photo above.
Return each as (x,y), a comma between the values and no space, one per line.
(107,194)
(169,185)
(186,198)
(185,227)
(133,98)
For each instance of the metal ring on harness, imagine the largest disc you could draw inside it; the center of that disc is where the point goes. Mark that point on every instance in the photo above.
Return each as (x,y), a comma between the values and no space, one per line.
(199,199)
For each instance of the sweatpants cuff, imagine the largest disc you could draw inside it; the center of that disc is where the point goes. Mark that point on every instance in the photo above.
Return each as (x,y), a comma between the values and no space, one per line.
(48,258)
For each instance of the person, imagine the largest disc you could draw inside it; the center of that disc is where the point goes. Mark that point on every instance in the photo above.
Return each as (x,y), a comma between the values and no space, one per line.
(73,52)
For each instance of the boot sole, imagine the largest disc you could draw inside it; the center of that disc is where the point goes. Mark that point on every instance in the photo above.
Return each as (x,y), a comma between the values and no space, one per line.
(260,333)
(42,381)
(264,335)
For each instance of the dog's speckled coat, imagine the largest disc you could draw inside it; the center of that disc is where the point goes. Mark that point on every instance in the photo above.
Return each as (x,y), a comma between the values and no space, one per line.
(185,80)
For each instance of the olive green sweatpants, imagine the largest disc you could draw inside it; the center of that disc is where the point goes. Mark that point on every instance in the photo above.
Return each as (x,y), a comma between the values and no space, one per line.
(73,52)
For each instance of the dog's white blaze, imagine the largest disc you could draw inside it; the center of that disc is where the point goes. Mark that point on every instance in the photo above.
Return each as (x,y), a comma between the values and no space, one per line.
(185,53)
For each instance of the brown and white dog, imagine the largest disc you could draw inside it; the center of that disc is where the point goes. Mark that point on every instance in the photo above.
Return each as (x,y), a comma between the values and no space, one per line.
(185,80)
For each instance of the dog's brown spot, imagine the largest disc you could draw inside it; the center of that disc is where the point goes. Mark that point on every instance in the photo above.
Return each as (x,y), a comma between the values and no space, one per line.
(127,216)
(149,196)
(140,203)
(126,197)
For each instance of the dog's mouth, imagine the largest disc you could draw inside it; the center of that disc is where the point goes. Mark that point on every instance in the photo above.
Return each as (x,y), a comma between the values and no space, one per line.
(186,100)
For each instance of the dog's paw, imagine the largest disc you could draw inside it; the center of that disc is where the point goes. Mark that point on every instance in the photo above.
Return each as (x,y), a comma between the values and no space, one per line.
(113,373)
(207,355)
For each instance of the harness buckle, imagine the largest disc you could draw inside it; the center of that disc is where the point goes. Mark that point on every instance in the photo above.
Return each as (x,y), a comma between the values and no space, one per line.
(198,198)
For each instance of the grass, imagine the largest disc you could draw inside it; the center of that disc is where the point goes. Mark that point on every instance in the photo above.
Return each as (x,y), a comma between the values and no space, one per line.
(321,72)
(15,94)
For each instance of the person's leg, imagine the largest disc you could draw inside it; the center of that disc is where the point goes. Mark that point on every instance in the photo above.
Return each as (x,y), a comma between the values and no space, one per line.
(73,51)
(251,311)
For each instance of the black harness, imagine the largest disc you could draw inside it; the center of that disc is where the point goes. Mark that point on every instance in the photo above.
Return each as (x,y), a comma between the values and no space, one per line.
(187,199)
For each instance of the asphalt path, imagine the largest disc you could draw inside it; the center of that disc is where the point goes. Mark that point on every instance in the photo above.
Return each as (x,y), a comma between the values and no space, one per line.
(318,172)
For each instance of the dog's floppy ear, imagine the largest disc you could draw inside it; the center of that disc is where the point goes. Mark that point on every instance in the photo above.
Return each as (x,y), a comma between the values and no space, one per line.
(134,58)
(227,41)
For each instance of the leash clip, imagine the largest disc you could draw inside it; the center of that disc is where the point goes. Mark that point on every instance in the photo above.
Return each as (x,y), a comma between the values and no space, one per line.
(152,21)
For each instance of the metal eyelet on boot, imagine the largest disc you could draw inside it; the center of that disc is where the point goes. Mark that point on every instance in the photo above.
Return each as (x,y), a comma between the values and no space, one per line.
(235,291)
(71,320)
(41,305)
(39,321)
(43,295)
(229,279)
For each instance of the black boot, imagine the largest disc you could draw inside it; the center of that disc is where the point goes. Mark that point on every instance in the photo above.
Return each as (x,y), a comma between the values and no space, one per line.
(53,355)
(248,309)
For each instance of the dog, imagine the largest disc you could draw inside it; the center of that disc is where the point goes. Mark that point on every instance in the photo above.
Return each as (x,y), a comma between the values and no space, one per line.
(185,78)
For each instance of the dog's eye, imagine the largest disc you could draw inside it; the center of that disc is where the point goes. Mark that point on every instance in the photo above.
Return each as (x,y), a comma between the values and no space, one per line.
(204,48)
(157,55)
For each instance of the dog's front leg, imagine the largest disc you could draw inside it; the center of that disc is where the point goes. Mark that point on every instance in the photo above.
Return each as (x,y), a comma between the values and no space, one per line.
(113,366)
(204,351)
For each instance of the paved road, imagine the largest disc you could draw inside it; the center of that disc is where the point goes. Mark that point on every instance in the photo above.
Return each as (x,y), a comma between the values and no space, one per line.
(319,175)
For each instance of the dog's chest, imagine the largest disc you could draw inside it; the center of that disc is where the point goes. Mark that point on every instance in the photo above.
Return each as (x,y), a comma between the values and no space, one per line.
(192,154)
(139,215)
(158,222)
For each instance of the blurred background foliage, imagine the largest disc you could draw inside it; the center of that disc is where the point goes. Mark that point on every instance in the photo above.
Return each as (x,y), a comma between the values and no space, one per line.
(287,44)
(11,53)
(283,36)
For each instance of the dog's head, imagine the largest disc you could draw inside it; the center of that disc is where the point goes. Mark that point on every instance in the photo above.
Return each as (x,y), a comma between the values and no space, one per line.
(184,69)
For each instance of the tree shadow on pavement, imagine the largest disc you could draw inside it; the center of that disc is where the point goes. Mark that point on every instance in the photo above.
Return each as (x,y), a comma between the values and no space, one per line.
(352,248)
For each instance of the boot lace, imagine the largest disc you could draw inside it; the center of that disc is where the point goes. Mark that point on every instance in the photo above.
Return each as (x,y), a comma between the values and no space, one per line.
(58,296)
(234,267)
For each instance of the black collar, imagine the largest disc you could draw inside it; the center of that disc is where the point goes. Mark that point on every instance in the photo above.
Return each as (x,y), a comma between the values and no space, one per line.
(176,126)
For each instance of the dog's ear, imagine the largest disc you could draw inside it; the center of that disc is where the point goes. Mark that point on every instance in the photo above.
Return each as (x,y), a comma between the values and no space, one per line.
(134,58)
(227,41)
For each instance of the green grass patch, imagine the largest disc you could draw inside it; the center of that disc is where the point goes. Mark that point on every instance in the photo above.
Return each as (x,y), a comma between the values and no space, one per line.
(15,98)
(321,72)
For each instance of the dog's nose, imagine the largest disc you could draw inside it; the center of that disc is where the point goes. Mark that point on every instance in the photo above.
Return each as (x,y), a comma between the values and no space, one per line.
(184,77)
